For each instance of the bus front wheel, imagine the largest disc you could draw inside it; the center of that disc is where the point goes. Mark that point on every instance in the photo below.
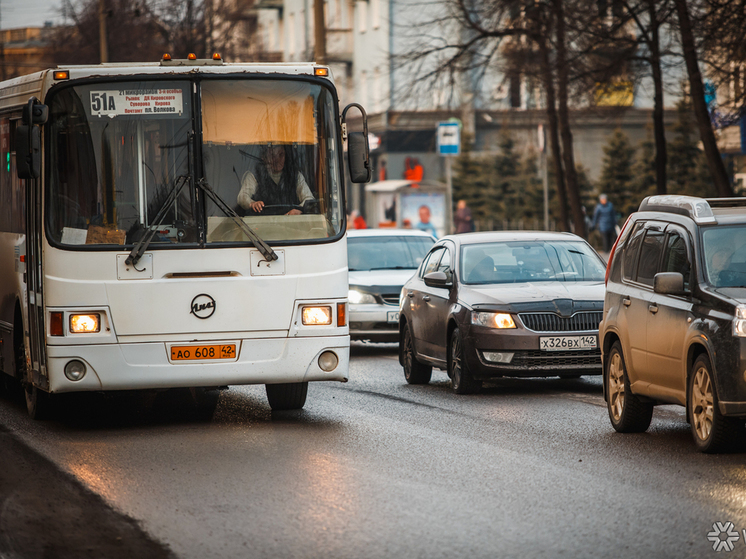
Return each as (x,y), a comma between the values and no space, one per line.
(38,402)
(287,396)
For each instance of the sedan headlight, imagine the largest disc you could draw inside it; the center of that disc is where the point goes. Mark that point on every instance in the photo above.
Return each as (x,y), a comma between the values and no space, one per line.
(359,298)
(739,323)
(492,319)
(85,323)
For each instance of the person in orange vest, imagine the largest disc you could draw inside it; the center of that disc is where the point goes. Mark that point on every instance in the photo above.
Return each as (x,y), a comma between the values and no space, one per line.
(413,171)
(358,221)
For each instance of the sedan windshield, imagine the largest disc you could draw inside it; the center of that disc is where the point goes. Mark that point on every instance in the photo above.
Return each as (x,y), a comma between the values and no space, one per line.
(387,253)
(530,261)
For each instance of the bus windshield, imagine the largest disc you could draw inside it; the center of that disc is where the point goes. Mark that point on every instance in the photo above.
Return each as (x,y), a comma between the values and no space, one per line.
(119,149)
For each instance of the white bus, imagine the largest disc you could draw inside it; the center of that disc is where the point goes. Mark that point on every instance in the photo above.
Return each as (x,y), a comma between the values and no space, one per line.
(133,252)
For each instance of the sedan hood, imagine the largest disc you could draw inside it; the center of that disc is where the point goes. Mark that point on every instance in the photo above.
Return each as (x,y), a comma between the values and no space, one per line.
(376,278)
(564,298)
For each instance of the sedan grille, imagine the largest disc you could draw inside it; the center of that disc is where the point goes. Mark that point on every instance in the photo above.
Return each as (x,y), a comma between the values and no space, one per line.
(391,299)
(543,360)
(551,322)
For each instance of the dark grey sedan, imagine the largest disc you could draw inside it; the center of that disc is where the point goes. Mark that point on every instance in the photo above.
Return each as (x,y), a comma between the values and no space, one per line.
(503,304)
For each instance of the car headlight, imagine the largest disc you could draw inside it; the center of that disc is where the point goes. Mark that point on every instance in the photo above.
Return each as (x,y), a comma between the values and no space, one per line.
(85,323)
(492,319)
(359,298)
(739,323)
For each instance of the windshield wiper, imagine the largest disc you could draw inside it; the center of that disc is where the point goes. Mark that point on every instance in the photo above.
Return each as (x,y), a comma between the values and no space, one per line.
(394,268)
(142,245)
(257,241)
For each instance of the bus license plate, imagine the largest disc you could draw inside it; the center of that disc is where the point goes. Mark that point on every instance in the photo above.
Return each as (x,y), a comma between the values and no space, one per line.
(567,343)
(200,352)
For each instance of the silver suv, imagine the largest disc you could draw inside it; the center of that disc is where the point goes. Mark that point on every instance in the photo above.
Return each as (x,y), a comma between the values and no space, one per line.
(674,322)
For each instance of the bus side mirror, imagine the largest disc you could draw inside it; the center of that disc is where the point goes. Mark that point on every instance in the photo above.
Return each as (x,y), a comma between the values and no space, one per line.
(28,139)
(28,151)
(358,157)
(358,152)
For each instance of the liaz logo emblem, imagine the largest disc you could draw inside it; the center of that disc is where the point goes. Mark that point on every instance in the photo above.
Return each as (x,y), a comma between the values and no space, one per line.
(203,306)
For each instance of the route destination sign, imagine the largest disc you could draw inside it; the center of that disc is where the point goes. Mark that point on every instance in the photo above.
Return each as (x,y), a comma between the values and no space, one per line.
(118,102)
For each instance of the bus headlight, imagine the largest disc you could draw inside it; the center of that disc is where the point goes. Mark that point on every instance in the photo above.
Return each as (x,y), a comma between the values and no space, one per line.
(317,316)
(85,323)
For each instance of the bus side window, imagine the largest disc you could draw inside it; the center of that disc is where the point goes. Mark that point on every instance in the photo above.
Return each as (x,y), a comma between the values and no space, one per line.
(6,195)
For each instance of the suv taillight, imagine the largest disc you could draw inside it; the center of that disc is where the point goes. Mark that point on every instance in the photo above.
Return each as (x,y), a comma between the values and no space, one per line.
(613,249)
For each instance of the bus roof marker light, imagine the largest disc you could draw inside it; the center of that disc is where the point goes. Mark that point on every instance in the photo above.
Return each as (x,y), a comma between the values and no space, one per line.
(61,75)
(321,72)
(166,57)
(192,56)
(216,56)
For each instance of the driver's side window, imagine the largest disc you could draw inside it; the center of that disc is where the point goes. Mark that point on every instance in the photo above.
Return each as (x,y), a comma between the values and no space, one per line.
(431,263)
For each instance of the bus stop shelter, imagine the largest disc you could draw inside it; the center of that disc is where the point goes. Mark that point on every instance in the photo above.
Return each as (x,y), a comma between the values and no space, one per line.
(397,203)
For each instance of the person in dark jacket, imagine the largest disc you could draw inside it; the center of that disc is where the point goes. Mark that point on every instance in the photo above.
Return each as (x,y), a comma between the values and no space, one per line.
(604,219)
(276,182)
(462,218)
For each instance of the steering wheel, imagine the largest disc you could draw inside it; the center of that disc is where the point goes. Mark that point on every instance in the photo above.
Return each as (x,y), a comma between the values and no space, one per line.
(278,209)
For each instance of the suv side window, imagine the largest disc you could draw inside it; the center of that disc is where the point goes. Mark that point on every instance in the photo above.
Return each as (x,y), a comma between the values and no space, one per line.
(631,250)
(650,256)
(676,257)
(431,262)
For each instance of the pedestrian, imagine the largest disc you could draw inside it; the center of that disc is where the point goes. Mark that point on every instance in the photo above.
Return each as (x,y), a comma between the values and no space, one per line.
(604,219)
(462,220)
(357,220)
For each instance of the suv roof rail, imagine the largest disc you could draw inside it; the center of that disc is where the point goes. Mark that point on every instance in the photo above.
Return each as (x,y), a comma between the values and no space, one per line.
(726,202)
(697,208)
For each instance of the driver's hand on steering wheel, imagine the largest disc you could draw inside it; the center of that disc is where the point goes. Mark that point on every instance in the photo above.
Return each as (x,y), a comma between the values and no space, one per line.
(294,212)
(257,206)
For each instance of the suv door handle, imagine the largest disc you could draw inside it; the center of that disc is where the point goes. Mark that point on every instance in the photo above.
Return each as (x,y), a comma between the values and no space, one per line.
(653,308)
(426,297)
(626,301)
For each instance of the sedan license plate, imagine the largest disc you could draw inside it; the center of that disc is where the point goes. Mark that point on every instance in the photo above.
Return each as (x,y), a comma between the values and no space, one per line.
(200,352)
(567,343)
(392,316)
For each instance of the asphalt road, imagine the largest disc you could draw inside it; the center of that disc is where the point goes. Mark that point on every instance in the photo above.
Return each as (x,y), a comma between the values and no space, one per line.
(376,468)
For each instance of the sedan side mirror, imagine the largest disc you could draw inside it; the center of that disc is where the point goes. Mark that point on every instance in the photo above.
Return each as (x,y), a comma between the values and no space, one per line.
(669,283)
(437,279)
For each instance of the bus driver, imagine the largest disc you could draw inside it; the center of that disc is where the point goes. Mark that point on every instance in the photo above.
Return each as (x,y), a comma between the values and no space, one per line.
(278,184)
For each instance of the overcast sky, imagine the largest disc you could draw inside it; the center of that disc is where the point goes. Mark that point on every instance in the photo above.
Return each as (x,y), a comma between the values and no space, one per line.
(28,13)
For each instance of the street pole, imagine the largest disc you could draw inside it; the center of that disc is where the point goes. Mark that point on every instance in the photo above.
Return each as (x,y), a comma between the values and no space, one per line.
(544,174)
(449,197)
(319,32)
(102,32)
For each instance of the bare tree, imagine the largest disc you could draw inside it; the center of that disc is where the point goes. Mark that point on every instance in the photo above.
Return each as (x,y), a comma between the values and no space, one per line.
(697,92)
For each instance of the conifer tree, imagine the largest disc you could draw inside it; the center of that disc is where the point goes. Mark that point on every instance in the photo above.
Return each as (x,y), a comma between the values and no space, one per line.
(616,176)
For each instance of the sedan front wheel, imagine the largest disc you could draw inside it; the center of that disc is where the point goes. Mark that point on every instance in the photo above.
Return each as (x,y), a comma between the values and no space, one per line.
(462,381)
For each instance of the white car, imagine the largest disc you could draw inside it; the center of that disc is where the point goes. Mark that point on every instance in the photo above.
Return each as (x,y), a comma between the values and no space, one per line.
(380,262)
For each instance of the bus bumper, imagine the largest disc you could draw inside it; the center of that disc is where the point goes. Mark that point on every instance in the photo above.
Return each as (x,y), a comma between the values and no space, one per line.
(138,366)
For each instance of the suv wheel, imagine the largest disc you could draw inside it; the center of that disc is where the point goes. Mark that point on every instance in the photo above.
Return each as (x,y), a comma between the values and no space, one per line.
(461,380)
(414,371)
(713,432)
(627,413)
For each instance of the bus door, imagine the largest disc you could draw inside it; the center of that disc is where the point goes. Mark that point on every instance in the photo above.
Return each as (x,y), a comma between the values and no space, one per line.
(34,280)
